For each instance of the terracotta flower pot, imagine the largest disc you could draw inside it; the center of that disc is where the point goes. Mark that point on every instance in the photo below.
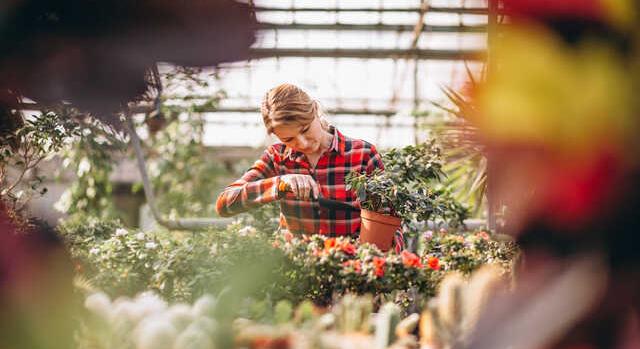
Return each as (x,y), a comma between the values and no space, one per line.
(378,228)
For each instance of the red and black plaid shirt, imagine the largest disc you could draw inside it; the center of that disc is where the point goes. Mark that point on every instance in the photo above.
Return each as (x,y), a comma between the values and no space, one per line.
(259,185)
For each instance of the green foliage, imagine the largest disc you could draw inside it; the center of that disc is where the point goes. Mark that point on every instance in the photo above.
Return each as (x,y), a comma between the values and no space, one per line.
(265,218)
(180,173)
(176,266)
(22,150)
(183,266)
(91,157)
(467,252)
(410,187)
(466,161)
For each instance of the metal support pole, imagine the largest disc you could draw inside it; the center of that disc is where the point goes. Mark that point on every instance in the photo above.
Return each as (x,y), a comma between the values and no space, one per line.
(177,224)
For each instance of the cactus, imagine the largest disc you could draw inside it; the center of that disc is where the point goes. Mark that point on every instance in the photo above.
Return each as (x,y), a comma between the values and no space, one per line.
(353,313)
(450,307)
(283,312)
(407,325)
(453,314)
(483,284)
(386,322)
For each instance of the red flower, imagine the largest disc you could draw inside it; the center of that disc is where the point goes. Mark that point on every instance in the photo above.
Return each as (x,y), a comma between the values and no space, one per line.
(410,260)
(288,236)
(330,243)
(433,263)
(355,264)
(348,248)
(379,263)
(483,235)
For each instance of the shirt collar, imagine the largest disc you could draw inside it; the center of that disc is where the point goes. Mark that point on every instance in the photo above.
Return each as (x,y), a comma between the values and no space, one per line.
(337,144)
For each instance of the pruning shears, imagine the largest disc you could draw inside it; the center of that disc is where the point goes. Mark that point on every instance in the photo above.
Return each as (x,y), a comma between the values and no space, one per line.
(330,204)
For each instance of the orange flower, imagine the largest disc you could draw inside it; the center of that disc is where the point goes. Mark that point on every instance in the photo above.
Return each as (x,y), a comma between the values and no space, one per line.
(379,263)
(275,244)
(483,235)
(355,264)
(411,260)
(433,263)
(348,248)
(330,243)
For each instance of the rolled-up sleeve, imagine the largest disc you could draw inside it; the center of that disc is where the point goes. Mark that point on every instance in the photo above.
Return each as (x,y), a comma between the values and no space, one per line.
(374,161)
(256,187)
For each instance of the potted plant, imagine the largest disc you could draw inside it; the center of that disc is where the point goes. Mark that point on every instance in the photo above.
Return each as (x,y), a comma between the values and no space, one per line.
(407,192)
(379,221)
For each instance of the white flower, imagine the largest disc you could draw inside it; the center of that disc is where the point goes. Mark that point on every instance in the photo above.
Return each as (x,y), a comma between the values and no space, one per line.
(94,250)
(64,203)
(151,245)
(247,231)
(121,232)
(83,167)
(100,139)
(140,236)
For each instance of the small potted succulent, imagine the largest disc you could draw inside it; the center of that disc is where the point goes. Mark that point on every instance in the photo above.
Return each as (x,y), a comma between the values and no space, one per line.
(408,191)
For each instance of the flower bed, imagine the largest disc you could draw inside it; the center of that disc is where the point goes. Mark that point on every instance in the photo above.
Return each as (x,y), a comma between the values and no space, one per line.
(183,266)
(322,267)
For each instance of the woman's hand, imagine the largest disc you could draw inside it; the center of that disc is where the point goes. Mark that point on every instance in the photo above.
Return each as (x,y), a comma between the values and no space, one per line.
(302,186)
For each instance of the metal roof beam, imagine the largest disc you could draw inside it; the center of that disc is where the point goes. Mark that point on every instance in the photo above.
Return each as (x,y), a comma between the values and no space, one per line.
(480,28)
(456,10)
(372,53)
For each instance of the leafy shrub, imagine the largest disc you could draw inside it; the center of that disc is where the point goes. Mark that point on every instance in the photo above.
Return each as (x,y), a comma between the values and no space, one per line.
(183,266)
(410,187)
(178,266)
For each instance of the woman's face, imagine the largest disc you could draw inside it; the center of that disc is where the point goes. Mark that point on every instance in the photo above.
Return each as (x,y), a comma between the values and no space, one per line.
(306,139)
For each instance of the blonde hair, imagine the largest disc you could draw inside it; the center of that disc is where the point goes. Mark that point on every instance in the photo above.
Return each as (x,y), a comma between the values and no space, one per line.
(287,104)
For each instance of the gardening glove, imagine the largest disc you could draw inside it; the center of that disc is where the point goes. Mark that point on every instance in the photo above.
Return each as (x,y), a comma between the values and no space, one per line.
(304,187)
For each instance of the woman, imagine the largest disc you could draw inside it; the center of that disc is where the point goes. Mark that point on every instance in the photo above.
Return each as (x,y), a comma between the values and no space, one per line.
(313,160)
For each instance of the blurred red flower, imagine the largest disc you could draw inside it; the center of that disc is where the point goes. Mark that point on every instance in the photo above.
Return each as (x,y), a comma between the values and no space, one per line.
(379,263)
(288,236)
(330,243)
(355,264)
(348,248)
(483,235)
(410,260)
(433,263)
(579,9)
